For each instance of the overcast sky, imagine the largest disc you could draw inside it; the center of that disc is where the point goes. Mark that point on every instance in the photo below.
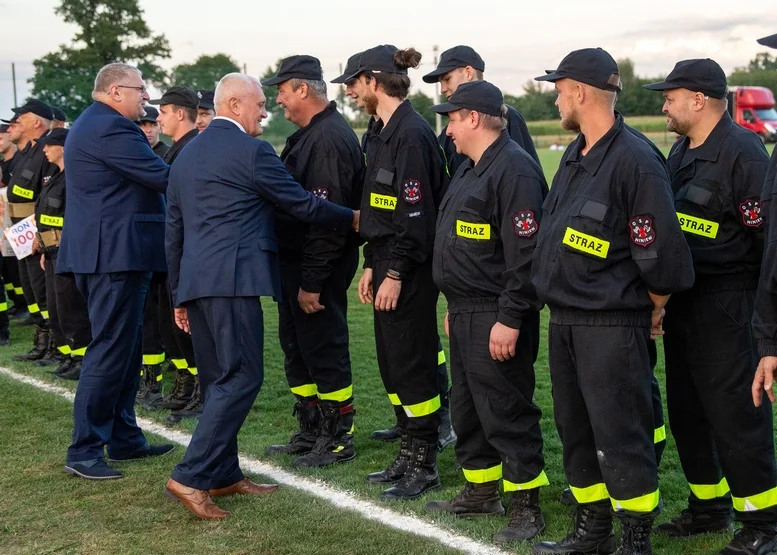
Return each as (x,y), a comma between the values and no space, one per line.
(518,40)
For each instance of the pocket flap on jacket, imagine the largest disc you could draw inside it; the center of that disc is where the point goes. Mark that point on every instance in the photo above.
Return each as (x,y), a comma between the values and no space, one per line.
(268,244)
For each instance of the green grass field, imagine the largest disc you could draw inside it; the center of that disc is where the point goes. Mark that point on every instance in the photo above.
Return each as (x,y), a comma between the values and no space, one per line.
(44,511)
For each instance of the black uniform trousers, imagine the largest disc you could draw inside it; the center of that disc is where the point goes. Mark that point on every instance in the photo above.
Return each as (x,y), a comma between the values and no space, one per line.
(228,337)
(153,350)
(494,416)
(317,360)
(33,280)
(177,342)
(104,407)
(68,314)
(723,440)
(4,332)
(13,286)
(602,397)
(659,434)
(406,347)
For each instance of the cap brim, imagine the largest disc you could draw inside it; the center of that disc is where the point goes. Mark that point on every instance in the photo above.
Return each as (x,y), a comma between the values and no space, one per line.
(19,111)
(662,86)
(434,76)
(445,108)
(550,75)
(275,80)
(206,106)
(770,41)
(46,141)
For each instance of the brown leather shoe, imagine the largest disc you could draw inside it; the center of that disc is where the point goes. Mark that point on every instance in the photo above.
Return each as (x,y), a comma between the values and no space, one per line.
(243,487)
(196,500)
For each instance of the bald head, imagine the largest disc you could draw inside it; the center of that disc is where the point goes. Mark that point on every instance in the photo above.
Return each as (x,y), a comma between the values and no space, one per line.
(239,97)
(234,85)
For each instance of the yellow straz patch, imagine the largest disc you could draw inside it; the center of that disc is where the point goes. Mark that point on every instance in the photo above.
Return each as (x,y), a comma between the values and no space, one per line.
(586,243)
(22,192)
(481,232)
(383,202)
(698,226)
(52,221)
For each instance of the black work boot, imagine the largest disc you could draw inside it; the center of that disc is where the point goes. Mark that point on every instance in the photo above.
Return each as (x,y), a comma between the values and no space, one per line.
(302,441)
(474,500)
(567,497)
(445,431)
(389,434)
(193,408)
(752,539)
(421,474)
(394,472)
(691,523)
(335,437)
(179,397)
(150,390)
(526,520)
(74,371)
(62,368)
(53,357)
(592,534)
(635,535)
(40,346)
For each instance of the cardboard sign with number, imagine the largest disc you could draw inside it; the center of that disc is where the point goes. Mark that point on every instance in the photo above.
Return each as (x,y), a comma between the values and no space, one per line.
(22,236)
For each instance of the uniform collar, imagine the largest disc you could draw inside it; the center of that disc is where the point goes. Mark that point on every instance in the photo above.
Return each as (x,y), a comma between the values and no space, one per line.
(491,153)
(224,118)
(399,114)
(180,143)
(710,149)
(592,161)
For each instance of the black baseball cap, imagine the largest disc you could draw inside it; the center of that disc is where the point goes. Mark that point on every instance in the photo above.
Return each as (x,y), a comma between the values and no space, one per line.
(151,115)
(592,66)
(205,99)
(350,69)
(296,67)
(180,96)
(770,41)
(480,96)
(699,75)
(54,137)
(59,115)
(9,121)
(33,106)
(454,58)
(378,59)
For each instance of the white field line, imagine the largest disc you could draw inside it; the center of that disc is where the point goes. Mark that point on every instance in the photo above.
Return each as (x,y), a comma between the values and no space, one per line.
(336,497)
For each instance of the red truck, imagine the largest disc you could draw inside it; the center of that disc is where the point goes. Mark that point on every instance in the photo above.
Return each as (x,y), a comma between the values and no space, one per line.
(753,108)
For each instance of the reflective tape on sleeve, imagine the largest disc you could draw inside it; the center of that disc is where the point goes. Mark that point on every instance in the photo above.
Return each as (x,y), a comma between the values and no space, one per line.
(585,243)
(383,202)
(698,226)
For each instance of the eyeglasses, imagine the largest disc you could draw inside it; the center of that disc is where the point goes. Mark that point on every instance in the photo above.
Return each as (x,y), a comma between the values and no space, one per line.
(141,90)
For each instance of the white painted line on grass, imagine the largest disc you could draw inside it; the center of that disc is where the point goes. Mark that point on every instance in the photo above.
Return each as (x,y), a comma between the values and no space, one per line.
(337,497)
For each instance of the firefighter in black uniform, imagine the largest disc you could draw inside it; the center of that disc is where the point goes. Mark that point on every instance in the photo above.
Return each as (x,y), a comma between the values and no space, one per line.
(178,112)
(152,129)
(69,317)
(404,181)
(446,436)
(317,267)
(485,238)
(8,151)
(461,64)
(609,253)
(31,172)
(205,109)
(717,171)
(13,288)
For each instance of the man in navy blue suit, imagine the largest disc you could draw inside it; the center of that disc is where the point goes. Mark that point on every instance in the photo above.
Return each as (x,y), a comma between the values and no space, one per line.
(112,241)
(223,192)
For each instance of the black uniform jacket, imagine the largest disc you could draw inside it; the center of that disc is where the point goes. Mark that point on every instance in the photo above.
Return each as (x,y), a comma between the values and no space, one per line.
(487,230)
(404,182)
(609,231)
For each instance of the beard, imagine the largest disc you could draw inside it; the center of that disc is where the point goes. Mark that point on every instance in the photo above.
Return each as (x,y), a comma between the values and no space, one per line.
(370,104)
(570,123)
(676,126)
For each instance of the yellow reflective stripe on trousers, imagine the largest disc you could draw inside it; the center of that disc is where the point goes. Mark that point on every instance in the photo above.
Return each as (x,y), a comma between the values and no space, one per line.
(9,286)
(705,492)
(482,476)
(659,434)
(64,349)
(307,390)
(394,399)
(440,357)
(33,308)
(337,396)
(541,480)
(193,370)
(18,290)
(757,502)
(179,363)
(642,504)
(591,494)
(3,307)
(423,409)
(151,360)
(45,314)
(78,352)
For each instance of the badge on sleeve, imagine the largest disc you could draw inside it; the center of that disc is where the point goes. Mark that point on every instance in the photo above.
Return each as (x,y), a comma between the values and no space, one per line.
(321,192)
(751,213)
(411,191)
(524,223)
(642,231)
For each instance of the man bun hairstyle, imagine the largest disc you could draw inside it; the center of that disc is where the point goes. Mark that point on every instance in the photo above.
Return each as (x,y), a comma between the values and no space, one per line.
(407,58)
(397,85)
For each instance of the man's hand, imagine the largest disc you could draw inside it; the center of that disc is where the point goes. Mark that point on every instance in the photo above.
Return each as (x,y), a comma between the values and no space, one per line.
(43,263)
(764,380)
(657,322)
(181,319)
(308,302)
(365,287)
(502,342)
(388,295)
(356,215)
(447,324)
